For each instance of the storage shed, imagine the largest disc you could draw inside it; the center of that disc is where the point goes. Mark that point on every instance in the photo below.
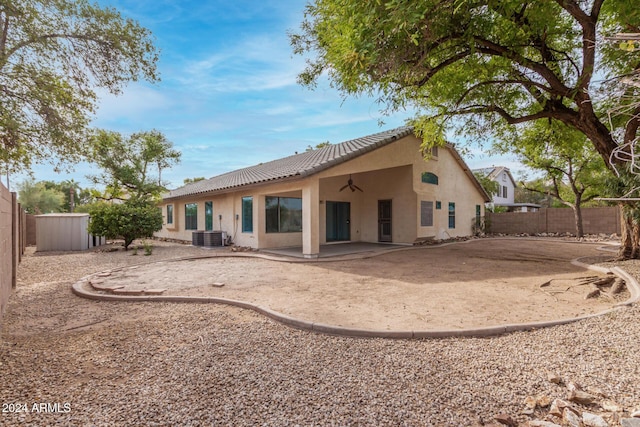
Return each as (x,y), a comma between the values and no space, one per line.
(65,232)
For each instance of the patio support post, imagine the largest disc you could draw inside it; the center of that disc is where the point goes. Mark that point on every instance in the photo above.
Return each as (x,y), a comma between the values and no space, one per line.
(310,219)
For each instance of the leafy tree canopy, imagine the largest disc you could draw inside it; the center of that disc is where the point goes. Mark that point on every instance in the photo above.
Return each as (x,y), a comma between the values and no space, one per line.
(318,146)
(38,198)
(53,54)
(192,180)
(130,220)
(132,166)
(486,64)
(489,185)
(573,171)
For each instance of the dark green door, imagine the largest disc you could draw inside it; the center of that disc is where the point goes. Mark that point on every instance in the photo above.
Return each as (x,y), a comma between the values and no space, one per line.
(338,221)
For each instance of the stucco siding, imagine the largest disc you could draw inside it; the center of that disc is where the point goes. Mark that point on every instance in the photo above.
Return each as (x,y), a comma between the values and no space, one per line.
(391,172)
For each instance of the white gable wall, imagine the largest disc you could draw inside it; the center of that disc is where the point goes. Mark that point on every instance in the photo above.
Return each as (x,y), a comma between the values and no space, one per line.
(504,181)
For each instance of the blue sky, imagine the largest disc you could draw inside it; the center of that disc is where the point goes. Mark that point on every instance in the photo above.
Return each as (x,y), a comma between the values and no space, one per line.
(228,96)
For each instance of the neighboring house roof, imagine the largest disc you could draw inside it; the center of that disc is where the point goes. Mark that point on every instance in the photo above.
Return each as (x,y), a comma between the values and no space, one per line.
(303,164)
(494,172)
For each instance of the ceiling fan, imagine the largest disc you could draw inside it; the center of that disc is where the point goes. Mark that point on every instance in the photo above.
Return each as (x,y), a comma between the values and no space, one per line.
(351,185)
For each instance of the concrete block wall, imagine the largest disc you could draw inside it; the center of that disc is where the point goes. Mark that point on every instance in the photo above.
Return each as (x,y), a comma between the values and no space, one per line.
(7,235)
(555,220)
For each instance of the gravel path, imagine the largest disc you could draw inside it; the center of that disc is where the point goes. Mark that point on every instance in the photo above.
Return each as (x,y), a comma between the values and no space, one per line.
(104,363)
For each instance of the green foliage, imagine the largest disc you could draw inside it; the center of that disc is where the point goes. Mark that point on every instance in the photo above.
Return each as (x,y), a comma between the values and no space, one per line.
(148,247)
(52,56)
(38,198)
(539,196)
(318,146)
(191,180)
(489,185)
(129,220)
(573,171)
(132,166)
(67,188)
(476,66)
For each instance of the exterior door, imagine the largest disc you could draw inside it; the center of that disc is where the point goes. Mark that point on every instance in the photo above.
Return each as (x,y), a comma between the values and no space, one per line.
(384,220)
(338,221)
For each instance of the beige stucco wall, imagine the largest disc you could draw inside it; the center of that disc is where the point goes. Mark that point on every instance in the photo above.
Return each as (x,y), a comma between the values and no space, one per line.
(392,172)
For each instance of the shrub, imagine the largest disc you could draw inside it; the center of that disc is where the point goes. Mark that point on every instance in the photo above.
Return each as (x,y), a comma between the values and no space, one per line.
(128,221)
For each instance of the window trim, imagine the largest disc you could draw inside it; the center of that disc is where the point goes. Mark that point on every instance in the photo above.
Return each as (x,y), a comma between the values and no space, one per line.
(170,214)
(190,221)
(247,215)
(208,215)
(429,178)
(278,209)
(452,215)
(426,213)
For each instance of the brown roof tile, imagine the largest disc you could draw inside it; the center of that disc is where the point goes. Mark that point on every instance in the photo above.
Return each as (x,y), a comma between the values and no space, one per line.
(301,165)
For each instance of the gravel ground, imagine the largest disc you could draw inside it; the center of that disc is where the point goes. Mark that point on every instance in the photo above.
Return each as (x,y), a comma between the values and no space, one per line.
(71,361)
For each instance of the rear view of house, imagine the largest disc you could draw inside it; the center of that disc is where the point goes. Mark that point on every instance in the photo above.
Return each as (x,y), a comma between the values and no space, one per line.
(377,188)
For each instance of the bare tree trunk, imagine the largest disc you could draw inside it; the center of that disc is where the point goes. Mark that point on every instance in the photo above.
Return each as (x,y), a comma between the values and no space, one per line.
(630,228)
(577,213)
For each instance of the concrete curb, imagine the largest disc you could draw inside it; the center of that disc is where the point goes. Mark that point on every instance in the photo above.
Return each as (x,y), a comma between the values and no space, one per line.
(79,289)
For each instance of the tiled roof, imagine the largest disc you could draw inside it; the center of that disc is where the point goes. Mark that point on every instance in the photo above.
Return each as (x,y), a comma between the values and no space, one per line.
(298,165)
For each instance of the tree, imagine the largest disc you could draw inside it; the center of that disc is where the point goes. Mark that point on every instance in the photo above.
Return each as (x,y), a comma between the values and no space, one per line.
(132,166)
(318,146)
(129,221)
(489,185)
(481,67)
(69,189)
(36,198)
(192,180)
(539,197)
(573,172)
(53,54)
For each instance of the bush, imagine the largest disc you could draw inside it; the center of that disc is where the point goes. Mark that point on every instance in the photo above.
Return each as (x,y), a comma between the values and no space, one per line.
(129,221)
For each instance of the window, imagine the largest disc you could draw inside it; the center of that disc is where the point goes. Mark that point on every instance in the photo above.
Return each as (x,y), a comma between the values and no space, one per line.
(208,216)
(169,214)
(430,178)
(283,214)
(452,215)
(247,214)
(191,216)
(504,191)
(438,204)
(426,214)
(478,215)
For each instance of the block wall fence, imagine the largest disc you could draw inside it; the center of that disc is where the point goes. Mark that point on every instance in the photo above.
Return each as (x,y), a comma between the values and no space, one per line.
(12,243)
(555,220)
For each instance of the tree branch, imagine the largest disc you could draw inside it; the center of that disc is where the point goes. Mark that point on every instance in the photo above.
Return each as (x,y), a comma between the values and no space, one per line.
(494,49)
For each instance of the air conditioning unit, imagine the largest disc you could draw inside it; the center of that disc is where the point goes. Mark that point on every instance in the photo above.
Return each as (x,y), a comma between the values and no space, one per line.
(215,238)
(197,238)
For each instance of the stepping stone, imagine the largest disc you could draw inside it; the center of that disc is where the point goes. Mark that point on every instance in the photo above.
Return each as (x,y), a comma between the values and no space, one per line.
(217,284)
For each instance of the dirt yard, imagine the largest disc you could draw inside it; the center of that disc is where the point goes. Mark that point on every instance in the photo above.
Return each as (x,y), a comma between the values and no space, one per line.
(479,283)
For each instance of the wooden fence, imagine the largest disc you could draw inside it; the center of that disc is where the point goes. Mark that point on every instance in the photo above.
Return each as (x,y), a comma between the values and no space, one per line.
(12,243)
(604,220)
